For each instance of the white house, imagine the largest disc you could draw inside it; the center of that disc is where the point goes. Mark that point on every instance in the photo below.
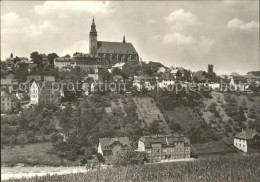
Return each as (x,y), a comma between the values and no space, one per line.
(247,139)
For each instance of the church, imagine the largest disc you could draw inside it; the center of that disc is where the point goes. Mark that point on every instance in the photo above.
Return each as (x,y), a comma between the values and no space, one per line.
(115,51)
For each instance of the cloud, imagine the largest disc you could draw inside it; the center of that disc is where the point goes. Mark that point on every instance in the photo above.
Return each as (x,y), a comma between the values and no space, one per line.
(241,25)
(13,24)
(178,39)
(70,6)
(181,19)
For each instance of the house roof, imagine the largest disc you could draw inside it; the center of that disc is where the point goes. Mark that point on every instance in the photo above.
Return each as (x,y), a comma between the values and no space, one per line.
(63,59)
(115,47)
(118,65)
(106,143)
(247,134)
(165,140)
(239,79)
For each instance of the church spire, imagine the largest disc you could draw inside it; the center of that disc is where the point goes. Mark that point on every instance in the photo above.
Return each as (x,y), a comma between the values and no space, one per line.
(93,26)
(124,39)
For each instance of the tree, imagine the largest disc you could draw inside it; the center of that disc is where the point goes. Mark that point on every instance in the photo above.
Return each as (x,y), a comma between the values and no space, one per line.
(154,127)
(36,58)
(129,157)
(212,107)
(253,87)
(51,57)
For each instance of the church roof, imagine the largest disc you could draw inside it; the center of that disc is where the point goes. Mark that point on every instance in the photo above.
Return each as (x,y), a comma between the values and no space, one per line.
(115,47)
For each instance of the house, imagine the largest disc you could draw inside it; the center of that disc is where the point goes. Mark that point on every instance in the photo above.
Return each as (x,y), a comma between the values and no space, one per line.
(9,84)
(166,80)
(247,139)
(253,78)
(86,61)
(25,60)
(6,102)
(200,77)
(64,63)
(44,92)
(239,83)
(147,82)
(165,147)
(109,147)
(161,69)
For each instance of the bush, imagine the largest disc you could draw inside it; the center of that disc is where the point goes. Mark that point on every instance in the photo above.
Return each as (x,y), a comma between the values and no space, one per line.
(129,157)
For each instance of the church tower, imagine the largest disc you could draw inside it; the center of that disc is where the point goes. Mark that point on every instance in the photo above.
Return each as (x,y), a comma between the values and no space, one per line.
(93,39)
(124,39)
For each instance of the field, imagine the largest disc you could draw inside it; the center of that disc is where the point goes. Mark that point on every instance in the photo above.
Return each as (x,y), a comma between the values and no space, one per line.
(32,154)
(232,168)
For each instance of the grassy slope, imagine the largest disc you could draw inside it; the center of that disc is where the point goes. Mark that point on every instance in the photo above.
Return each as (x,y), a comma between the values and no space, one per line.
(184,116)
(32,153)
(149,111)
(232,168)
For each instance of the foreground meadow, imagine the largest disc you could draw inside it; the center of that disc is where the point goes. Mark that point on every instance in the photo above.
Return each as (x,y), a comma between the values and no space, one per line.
(231,168)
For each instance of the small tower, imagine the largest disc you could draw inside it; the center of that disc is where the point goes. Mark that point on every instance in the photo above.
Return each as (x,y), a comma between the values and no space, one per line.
(93,39)
(124,39)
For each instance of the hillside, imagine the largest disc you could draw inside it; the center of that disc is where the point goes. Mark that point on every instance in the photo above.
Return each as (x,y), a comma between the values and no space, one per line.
(150,112)
(185,116)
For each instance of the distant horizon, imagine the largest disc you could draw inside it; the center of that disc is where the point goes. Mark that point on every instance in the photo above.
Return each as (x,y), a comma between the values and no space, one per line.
(173,33)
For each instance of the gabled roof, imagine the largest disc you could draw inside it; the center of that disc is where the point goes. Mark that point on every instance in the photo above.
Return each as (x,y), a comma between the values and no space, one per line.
(247,134)
(118,65)
(165,140)
(106,143)
(115,47)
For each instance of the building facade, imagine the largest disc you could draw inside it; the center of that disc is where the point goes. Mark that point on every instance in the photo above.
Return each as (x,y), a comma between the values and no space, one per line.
(247,139)
(165,147)
(6,102)
(44,92)
(109,147)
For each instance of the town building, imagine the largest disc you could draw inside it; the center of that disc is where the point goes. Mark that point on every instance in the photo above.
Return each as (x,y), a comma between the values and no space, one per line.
(238,83)
(165,147)
(64,63)
(247,139)
(148,82)
(166,79)
(6,102)
(44,92)
(114,51)
(87,61)
(109,147)
(9,84)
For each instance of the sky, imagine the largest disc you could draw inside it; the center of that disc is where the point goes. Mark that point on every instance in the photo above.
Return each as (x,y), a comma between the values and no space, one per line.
(189,34)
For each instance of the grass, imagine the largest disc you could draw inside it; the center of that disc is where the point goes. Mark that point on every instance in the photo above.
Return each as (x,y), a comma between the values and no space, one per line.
(233,168)
(29,154)
(150,112)
(184,116)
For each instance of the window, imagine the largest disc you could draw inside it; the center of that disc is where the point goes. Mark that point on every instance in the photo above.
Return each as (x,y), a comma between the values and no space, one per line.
(169,156)
(164,150)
